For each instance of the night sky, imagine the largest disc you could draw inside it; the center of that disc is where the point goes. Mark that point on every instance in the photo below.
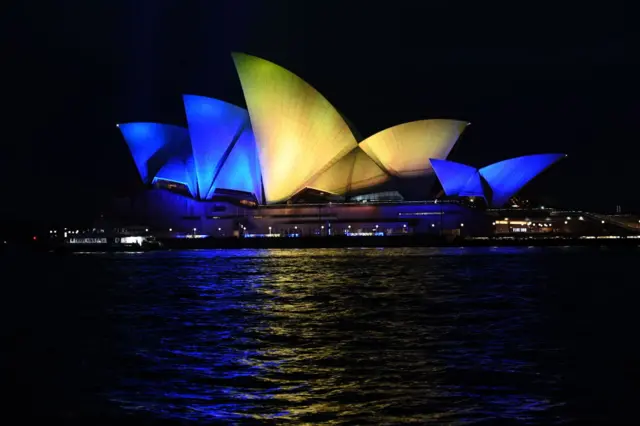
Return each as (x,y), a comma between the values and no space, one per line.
(532,77)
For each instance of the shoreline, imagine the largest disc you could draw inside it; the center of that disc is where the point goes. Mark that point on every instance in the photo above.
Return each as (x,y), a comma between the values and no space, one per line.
(385,242)
(346,242)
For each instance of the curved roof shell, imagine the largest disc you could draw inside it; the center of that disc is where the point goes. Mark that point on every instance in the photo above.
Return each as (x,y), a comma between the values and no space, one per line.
(214,126)
(298,132)
(353,172)
(405,150)
(241,169)
(457,179)
(153,144)
(497,182)
(508,177)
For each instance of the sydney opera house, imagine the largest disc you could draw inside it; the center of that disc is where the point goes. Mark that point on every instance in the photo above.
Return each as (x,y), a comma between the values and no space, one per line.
(291,165)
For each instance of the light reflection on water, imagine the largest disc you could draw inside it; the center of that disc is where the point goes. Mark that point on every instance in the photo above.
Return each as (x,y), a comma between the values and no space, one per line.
(352,336)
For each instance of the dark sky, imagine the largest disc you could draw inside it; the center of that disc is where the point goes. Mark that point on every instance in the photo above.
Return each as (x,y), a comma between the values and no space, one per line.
(532,77)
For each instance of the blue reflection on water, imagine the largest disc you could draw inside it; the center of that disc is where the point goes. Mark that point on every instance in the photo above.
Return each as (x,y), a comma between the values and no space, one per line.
(353,336)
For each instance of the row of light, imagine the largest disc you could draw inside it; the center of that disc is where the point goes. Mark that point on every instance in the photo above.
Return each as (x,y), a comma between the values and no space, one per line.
(547,224)
(77,231)
(533,224)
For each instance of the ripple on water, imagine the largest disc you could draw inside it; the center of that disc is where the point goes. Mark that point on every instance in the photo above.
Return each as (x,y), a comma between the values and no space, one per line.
(352,336)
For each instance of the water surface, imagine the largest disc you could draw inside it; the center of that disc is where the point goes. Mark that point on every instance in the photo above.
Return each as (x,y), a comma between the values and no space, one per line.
(349,336)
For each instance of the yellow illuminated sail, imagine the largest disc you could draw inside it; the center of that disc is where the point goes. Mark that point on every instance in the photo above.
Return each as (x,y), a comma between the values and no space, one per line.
(353,172)
(404,150)
(298,132)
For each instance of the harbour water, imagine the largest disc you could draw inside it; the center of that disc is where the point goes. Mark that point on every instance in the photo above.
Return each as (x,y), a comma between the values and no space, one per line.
(524,335)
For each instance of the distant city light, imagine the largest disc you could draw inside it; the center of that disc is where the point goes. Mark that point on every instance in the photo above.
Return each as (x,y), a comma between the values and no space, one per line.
(170,230)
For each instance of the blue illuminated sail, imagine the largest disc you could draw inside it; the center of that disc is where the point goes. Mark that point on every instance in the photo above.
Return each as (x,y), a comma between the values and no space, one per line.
(153,144)
(507,177)
(180,171)
(213,126)
(241,169)
(457,179)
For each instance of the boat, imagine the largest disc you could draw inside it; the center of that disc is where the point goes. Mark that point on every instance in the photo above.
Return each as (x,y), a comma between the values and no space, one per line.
(101,242)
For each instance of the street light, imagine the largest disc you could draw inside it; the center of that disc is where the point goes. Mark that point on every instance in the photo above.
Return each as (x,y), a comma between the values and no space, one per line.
(170,230)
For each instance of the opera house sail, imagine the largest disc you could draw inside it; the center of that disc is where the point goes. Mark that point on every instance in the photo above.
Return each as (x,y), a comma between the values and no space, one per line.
(214,127)
(153,144)
(498,182)
(405,150)
(352,173)
(457,179)
(217,150)
(298,132)
(292,150)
